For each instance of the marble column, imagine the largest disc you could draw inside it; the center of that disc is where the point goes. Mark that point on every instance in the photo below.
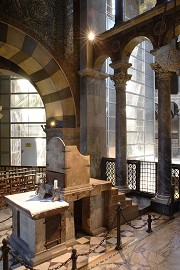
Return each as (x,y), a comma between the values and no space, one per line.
(120,78)
(164,134)
(119,11)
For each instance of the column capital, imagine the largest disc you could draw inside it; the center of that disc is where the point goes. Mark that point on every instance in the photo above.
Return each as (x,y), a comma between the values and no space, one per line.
(93,73)
(162,74)
(120,79)
(120,65)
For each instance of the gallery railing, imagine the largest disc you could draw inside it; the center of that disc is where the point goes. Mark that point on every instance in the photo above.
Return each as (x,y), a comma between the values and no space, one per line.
(142,175)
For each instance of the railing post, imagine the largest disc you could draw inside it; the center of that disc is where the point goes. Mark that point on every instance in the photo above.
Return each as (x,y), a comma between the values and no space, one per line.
(74,259)
(118,246)
(149,220)
(5,250)
(172,203)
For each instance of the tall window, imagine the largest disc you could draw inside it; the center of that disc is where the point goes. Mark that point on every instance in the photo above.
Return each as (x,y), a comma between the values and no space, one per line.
(139,95)
(140,100)
(23,115)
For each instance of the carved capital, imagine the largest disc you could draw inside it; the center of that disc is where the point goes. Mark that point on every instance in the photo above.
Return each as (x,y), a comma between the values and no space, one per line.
(162,74)
(120,79)
(120,66)
(93,73)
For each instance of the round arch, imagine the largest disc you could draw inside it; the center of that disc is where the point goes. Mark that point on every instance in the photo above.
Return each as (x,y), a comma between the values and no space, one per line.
(99,62)
(42,71)
(132,44)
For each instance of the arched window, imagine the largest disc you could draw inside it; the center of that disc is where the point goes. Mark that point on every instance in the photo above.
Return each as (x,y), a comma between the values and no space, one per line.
(23,115)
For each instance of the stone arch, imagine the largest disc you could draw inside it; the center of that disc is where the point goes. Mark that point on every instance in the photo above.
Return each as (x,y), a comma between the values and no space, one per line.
(100,61)
(42,71)
(169,35)
(132,44)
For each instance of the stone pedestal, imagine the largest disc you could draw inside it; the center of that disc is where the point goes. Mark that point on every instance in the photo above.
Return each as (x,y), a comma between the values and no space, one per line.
(162,205)
(39,227)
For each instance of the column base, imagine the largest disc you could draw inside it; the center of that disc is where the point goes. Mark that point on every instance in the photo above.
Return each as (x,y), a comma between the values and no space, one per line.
(124,189)
(161,204)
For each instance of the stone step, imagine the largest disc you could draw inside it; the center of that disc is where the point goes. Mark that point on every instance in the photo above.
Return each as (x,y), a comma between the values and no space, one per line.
(129,213)
(121,196)
(128,201)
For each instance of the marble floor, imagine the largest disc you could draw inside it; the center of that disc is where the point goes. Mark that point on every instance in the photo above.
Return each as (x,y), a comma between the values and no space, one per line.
(140,250)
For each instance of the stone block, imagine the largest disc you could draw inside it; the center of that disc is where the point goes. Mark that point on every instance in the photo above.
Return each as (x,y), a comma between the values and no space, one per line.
(128,201)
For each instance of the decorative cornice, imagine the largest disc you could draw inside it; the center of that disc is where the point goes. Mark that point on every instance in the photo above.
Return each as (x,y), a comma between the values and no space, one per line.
(93,73)
(121,65)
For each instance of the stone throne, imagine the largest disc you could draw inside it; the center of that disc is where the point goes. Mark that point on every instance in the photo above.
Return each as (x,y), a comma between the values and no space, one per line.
(87,197)
(42,227)
(68,166)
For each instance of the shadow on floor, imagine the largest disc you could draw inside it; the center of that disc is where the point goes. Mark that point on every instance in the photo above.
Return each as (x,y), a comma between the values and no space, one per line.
(144,204)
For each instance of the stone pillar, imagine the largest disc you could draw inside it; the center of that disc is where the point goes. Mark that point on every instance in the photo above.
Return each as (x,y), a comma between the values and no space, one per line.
(92,87)
(93,118)
(120,78)
(119,11)
(164,138)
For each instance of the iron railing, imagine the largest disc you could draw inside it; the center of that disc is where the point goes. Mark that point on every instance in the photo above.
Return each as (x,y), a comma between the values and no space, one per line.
(142,175)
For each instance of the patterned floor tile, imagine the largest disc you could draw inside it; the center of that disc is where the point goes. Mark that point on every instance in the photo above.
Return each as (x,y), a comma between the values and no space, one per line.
(104,256)
(111,240)
(83,240)
(96,240)
(43,266)
(127,234)
(61,258)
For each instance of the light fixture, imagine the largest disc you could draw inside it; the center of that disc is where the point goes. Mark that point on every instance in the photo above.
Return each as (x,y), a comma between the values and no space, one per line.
(1,115)
(52,123)
(91,36)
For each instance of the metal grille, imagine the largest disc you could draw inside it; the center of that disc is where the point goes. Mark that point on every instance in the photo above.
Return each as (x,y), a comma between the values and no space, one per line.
(132,175)
(148,176)
(132,172)
(142,175)
(110,171)
(175,181)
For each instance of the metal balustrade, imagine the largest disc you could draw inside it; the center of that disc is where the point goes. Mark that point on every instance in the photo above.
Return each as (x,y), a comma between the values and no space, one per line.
(142,175)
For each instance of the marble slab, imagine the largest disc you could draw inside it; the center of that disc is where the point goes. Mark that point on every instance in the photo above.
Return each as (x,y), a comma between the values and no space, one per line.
(35,207)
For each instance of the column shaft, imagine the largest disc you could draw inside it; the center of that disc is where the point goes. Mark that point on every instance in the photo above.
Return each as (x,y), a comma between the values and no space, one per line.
(121,145)
(119,11)
(120,78)
(164,137)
